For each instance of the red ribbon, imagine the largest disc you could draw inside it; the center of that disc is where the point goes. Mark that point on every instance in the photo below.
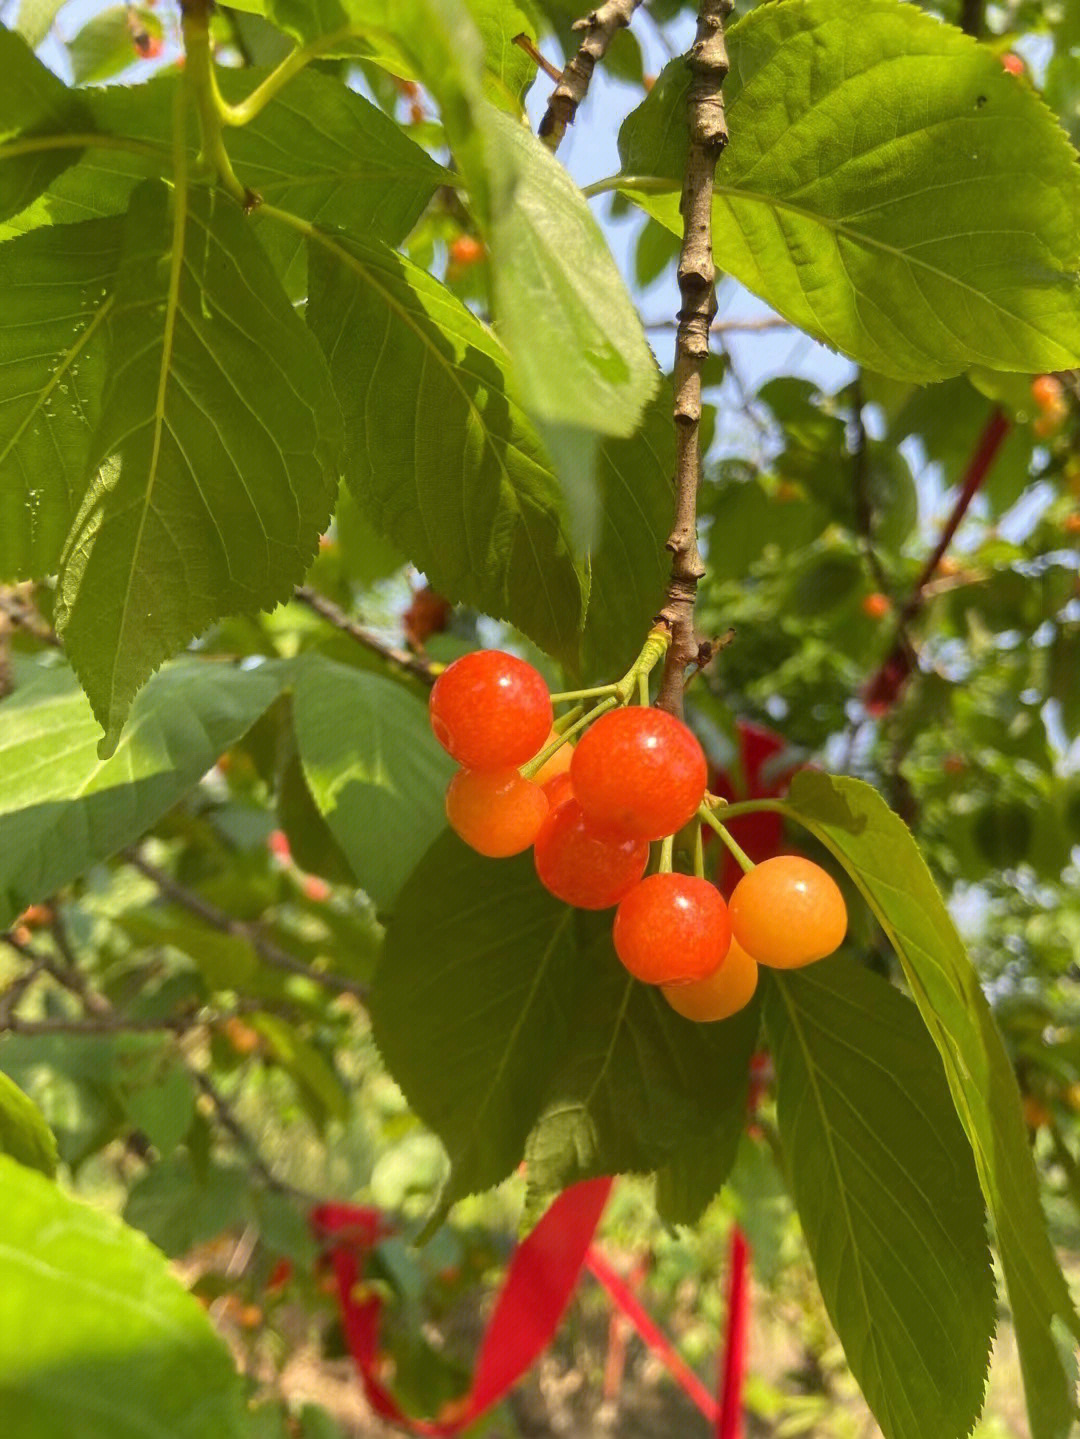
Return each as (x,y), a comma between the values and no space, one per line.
(539,1284)
(733,1370)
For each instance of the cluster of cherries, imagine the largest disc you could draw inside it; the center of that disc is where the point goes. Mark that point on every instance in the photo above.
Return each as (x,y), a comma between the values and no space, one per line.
(591,810)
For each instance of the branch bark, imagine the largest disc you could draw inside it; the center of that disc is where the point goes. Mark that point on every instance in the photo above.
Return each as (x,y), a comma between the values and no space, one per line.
(600,27)
(707,62)
(972,15)
(394,654)
(269,952)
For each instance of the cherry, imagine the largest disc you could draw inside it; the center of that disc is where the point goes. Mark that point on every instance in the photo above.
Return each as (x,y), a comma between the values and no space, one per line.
(559,763)
(672,929)
(496,812)
(639,773)
(1013,64)
(558,789)
(876,606)
(583,866)
(467,250)
(1047,391)
(788,912)
(490,710)
(720,994)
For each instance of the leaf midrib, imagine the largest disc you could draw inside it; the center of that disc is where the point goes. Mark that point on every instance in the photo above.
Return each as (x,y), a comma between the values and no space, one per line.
(853,1244)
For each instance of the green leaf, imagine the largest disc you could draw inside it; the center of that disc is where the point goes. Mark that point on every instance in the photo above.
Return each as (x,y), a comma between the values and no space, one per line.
(33,104)
(508,71)
(163,1108)
(889,188)
(62,809)
(216,465)
(640,1088)
(366,555)
(580,355)
(24,1135)
(177,1208)
(56,286)
(472,1024)
(105,45)
(317,149)
(456,477)
(35,19)
(97,1338)
(500,1011)
(629,565)
(876,848)
(373,767)
(887,1194)
(309,1069)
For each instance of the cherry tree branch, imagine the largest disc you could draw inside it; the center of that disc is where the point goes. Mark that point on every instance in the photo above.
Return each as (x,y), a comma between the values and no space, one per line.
(394,654)
(600,27)
(881,690)
(269,952)
(707,62)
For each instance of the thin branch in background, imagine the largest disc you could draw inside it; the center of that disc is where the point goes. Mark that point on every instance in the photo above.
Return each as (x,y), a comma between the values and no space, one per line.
(17,607)
(880,692)
(541,61)
(271,953)
(599,28)
(227,1118)
(707,62)
(973,17)
(860,488)
(333,614)
(12,995)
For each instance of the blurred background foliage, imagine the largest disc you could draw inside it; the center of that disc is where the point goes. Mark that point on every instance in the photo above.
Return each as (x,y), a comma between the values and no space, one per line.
(207,1096)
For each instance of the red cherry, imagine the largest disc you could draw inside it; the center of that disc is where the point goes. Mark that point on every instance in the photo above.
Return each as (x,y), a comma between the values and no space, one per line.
(672,929)
(316,888)
(1013,64)
(583,866)
(496,812)
(558,789)
(639,772)
(467,250)
(876,606)
(490,710)
(1048,392)
(277,842)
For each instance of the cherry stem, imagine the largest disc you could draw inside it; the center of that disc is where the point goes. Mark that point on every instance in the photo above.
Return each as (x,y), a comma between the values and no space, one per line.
(643,689)
(705,813)
(652,651)
(565,721)
(667,850)
(597,693)
(539,760)
(699,853)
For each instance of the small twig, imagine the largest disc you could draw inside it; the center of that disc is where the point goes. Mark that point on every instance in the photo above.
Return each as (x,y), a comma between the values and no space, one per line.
(226,1117)
(271,953)
(860,486)
(394,654)
(110,1023)
(600,27)
(21,613)
(524,43)
(12,996)
(707,62)
(882,689)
